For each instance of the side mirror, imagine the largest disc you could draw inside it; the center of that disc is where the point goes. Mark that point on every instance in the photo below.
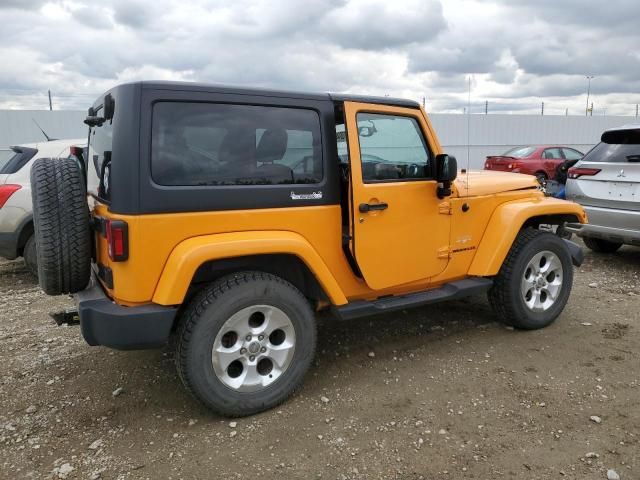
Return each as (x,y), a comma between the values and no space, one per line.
(366,131)
(109,107)
(446,172)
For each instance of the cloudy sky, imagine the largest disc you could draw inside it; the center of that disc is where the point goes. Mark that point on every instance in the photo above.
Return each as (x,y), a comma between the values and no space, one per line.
(518,52)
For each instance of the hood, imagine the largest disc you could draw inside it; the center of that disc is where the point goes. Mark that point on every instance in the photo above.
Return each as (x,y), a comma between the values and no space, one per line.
(485,182)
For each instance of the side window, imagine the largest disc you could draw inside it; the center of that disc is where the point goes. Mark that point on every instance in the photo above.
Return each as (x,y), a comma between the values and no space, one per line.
(222,144)
(392,148)
(552,153)
(571,154)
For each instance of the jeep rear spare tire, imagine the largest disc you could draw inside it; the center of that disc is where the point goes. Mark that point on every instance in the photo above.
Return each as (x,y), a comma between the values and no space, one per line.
(61,225)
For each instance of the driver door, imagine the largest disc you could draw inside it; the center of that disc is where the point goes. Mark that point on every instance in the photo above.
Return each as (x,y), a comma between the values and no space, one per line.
(400,233)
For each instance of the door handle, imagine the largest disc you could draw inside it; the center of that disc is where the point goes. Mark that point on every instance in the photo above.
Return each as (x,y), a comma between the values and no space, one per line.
(368,207)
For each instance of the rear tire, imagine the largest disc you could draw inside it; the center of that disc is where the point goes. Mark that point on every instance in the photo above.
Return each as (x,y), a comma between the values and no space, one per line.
(245,343)
(534,282)
(601,246)
(61,226)
(30,256)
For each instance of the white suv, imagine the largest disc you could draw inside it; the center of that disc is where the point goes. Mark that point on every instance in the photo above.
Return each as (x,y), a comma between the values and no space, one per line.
(606,182)
(16,219)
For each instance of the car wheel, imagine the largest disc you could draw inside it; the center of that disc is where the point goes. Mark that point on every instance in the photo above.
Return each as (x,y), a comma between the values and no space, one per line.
(30,256)
(534,282)
(245,343)
(601,246)
(542,178)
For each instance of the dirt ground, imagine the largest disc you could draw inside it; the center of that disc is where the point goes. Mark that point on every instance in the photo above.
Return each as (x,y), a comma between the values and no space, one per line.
(437,392)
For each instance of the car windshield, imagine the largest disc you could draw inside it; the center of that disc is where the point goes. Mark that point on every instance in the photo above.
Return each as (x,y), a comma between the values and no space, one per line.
(519,152)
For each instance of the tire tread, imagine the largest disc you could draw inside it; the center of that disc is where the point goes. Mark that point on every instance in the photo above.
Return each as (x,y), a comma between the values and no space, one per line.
(190,317)
(61,226)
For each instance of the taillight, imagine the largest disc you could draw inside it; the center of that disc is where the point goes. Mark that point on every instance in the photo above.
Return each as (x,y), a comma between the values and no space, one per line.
(118,240)
(6,191)
(582,172)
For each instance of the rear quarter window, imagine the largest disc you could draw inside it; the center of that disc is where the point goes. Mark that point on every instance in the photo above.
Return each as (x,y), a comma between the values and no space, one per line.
(227,144)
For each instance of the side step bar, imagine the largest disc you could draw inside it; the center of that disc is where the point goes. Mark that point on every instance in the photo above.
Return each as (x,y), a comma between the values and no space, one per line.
(450,291)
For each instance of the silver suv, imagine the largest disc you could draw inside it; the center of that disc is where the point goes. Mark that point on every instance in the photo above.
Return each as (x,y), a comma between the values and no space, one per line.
(607,183)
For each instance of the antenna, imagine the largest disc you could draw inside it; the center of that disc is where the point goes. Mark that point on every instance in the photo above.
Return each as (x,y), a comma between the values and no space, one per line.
(469,133)
(49,139)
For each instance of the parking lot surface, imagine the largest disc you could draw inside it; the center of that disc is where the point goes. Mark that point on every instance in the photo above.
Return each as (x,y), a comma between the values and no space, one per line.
(437,392)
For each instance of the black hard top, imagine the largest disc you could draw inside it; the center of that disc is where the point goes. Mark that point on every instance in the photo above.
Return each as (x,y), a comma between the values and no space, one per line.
(236,90)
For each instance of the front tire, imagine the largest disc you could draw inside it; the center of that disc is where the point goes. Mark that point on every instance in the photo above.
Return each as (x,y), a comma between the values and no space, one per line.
(601,246)
(534,282)
(245,343)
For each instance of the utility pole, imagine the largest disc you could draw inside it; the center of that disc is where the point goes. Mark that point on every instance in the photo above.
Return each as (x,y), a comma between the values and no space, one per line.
(486,107)
(542,109)
(50,106)
(586,112)
(591,110)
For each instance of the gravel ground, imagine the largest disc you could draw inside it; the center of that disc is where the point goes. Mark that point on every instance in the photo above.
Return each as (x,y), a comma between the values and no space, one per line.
(438,392)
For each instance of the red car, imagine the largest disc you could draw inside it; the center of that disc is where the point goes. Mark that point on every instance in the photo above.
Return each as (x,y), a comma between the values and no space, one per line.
(541,160)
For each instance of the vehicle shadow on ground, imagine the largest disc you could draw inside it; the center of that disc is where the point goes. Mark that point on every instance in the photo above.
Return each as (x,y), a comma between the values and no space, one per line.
(627,258)
(386,335)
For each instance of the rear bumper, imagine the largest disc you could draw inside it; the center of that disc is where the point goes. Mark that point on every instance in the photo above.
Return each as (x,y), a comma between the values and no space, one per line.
(106,323)
(619,226)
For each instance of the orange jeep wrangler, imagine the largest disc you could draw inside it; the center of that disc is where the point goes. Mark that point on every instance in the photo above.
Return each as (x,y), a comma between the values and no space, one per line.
(230,216)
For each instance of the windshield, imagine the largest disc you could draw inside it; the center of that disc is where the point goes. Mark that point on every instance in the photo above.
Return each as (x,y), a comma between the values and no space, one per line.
(519,152)
(613,153)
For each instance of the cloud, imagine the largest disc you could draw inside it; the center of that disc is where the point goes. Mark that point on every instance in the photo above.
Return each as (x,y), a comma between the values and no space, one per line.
(132,13)
(520,52)
(21,4)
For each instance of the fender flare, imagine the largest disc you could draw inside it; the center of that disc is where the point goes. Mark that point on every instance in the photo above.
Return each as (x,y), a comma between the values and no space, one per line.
(190,254)
(506,222)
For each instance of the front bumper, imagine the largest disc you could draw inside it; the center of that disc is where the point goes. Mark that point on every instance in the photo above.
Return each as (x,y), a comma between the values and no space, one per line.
(103,322)
(577,255)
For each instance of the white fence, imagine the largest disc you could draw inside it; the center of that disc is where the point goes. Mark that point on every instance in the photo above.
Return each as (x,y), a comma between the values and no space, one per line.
(21,126)
(491,134)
